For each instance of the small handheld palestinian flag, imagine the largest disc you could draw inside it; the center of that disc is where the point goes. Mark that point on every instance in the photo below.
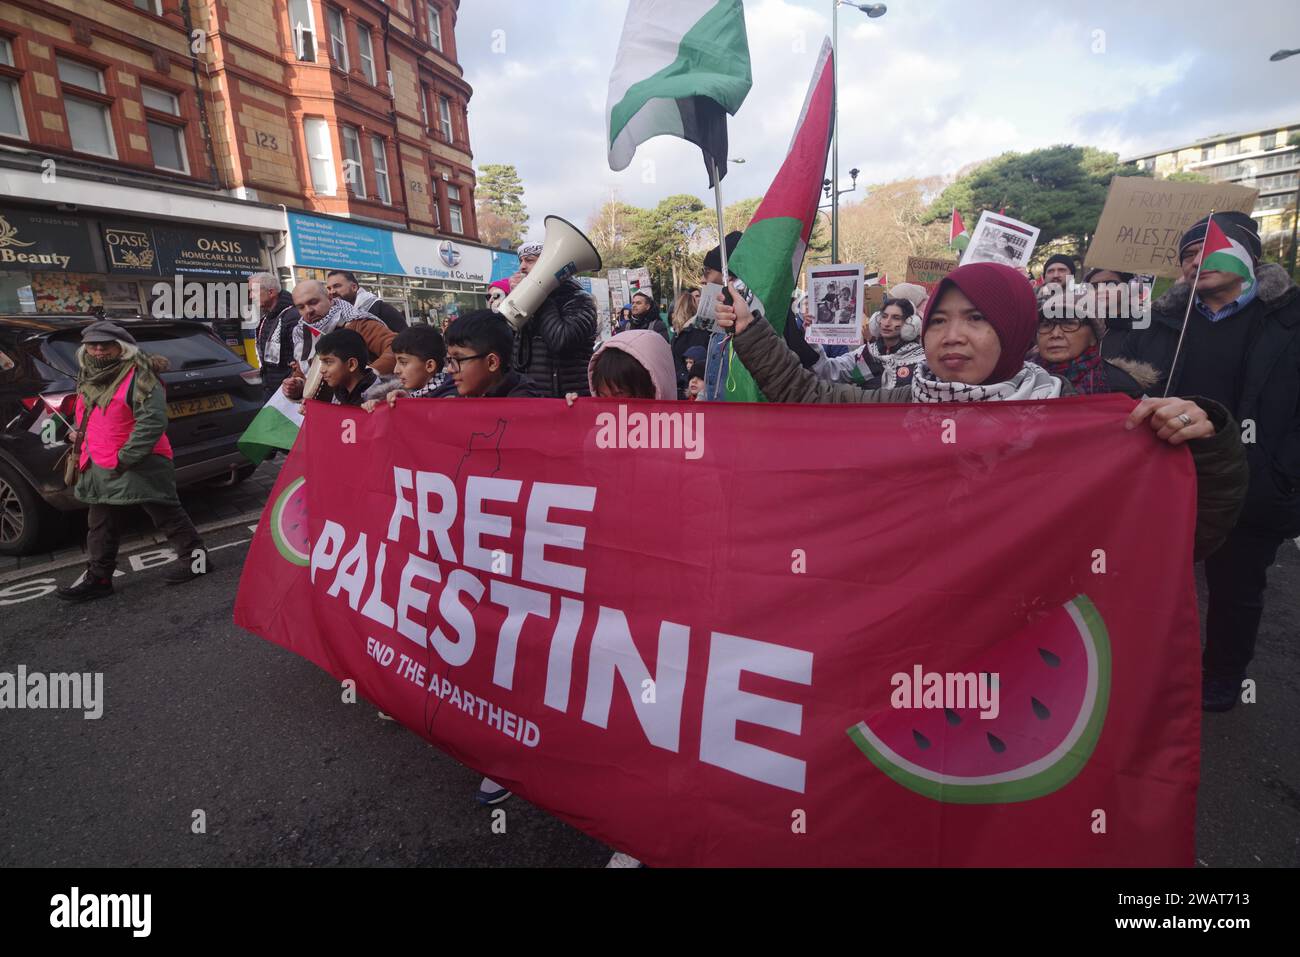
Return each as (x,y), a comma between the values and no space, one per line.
(681,67)
(958,235)
(1222,254)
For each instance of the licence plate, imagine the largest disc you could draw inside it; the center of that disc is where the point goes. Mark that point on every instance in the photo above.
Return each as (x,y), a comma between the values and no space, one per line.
(208,403)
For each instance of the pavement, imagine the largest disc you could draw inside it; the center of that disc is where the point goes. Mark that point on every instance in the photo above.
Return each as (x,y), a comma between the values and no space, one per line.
(217,748)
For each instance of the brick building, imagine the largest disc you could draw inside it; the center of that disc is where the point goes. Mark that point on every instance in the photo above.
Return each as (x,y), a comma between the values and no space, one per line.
(148,137)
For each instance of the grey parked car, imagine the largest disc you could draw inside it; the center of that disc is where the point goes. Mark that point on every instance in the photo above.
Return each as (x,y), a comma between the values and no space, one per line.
(212,395)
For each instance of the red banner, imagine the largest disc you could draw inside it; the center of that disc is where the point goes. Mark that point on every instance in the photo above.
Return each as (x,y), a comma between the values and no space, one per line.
(714,634)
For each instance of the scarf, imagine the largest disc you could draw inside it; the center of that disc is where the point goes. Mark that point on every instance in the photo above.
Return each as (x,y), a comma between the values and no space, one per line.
(98,379)
(905,356)
(340,314)
(1031,382)
(364,299)
(1086,372)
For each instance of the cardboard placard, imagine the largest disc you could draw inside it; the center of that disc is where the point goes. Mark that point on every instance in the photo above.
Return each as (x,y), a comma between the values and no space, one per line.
(928,272)
(1144,218)
(873,297)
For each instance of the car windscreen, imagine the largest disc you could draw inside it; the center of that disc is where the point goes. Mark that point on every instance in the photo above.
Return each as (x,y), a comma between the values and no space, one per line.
(185,347)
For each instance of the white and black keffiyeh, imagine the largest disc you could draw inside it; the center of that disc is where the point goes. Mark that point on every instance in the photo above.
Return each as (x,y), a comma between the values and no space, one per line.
(306,333)
(1031,382)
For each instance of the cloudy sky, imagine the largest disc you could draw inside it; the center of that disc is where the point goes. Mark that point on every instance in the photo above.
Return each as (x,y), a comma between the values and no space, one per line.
(929,87)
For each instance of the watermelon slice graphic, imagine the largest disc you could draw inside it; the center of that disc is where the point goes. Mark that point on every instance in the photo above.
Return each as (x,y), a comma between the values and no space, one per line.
(1054,686)
(289,523)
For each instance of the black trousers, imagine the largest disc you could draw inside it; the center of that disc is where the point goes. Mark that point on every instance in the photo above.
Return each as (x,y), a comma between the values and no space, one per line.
(1236,576)
(105,534)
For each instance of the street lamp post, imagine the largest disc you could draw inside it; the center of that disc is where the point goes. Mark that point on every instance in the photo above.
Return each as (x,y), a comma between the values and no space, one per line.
(872,10)
(1295,210)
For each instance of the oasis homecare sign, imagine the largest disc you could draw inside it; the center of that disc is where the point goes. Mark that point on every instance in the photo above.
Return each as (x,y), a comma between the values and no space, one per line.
(164,251)
(334,244)
(42,242)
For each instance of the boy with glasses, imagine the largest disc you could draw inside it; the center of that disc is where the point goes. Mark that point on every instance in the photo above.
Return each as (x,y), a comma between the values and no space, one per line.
(479,345)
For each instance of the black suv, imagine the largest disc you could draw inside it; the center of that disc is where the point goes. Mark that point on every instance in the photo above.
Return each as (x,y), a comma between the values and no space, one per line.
(212,395)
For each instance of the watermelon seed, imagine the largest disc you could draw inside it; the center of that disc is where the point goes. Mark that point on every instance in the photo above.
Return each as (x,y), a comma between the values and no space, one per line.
(1040,709)
(1052,660)
(922,741)
(994,743)
(952,716)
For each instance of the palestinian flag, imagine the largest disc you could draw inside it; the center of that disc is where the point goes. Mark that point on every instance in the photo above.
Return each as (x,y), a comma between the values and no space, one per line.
(275,427)
(1219,253)
(769,256)
(681,67)
(958,236)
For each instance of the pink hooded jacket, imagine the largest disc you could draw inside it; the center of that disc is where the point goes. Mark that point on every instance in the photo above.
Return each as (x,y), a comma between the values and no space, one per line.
(651,350)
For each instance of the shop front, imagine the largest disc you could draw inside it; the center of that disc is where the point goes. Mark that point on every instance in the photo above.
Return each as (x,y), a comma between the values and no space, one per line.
(48,264)
(183,272)
(53,262)
(431,280)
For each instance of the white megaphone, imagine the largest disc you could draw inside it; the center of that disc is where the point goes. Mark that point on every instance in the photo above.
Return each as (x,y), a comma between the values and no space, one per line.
(566,251)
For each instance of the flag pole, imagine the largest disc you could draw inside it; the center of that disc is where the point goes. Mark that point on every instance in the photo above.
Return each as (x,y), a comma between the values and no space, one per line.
(722,229)
(1187,315)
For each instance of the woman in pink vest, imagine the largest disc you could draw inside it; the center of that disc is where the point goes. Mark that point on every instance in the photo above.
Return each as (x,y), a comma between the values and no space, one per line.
(125,458)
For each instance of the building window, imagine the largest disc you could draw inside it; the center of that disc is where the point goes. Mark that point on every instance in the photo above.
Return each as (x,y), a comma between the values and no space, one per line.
(89,122)
(1148,165)
(1207,153)
(454,209)
(338,39)
(366,46)
(1268,141)
(302,25)
(12,122)
(1233,148)
(444,117)
(434,198)
(424,106)
(166,139)
(149,6)
(380,156)
(320,154)
(354,171)
(434,16)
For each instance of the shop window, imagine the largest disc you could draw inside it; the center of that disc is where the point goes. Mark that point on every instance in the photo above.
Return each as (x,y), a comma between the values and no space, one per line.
(166,139)
(302,25)
(321,155)
(338,39)
(444,117)
(434,19)
(12,122)
(380,156)
(454,209)
(366,46)
(89,121)
(354,171)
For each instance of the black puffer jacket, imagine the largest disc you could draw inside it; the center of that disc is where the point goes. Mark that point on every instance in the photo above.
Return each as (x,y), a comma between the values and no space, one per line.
(1270,388)
(555,345)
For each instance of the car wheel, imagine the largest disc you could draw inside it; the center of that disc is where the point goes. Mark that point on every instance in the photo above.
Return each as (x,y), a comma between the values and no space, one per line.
(25,520)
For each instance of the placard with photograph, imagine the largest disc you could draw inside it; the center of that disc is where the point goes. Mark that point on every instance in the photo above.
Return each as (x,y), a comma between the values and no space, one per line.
(835,296)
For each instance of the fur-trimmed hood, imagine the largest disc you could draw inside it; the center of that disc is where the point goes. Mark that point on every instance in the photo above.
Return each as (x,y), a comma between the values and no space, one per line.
(1143,373)
(1272,283)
